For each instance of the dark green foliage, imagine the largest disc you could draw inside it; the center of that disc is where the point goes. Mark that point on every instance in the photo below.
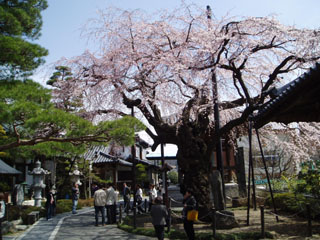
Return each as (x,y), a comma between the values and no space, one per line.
(291,203)
(141,173)
(173,176)
(65,205)
(20,21)
(309,178)
(29,118)
(139,231)
(15,212)
(62,73)
(28,209)
(62,94)
(288,202)
(4,187)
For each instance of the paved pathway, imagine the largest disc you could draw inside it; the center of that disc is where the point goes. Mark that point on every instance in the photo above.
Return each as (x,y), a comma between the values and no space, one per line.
(69,226)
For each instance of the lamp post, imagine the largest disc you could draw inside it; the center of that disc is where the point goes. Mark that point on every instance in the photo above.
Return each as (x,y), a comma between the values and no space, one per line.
(38,178)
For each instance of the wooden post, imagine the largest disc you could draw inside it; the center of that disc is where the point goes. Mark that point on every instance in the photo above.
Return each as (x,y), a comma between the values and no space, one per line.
(309,221)
(145,205)
(120,213)
(0,228)
(214,222)
(267,174)
(254,201)
(248,203)
(169,215)
(263,234)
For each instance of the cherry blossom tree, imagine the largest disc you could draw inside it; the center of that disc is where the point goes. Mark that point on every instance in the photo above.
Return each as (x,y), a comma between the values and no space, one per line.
(166,67)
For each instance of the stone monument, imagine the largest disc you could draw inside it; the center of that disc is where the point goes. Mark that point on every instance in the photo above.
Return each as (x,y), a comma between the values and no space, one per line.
(76,175)
(38,178)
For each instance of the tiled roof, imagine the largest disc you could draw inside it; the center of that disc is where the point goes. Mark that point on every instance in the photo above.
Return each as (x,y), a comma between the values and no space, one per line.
(98,154)
(6,169)
(297,101)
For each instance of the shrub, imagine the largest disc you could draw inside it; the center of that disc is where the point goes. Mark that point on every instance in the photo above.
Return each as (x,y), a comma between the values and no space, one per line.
(86,202)
(13,212)
(64,205)
(309,177)
(288,202)
(4,187)
(295,203)
(28,209)
(173,176)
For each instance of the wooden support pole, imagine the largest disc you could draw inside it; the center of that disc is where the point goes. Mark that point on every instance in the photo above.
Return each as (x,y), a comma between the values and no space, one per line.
(254,200)
(169,216)
(267,174)
(248,203)
(214,223)
(309,220)
(120,213)
(263,234)
(145,205)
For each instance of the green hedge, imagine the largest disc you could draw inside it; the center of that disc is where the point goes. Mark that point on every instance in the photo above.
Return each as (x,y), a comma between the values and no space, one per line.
(289,202)
(15,212)
(62,205)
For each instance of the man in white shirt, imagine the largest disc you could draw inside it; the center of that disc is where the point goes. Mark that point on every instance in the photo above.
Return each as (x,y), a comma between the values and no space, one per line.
(100,198)
(111,201)
(152,195)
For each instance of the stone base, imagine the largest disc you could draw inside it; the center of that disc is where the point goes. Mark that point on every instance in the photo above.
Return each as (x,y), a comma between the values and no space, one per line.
(225,220)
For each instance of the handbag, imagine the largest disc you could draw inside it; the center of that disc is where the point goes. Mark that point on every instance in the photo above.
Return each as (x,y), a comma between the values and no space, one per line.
(192,215)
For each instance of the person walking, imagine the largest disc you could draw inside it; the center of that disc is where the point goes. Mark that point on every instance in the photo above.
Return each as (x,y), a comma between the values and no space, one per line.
(111,198)
(152,195)
(139,198)
(126,198)
(50,204)
(100,200)
(159,215)
(75,197)
(189,203)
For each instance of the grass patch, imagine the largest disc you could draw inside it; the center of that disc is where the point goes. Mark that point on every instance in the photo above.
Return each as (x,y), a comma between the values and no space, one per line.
(174,234)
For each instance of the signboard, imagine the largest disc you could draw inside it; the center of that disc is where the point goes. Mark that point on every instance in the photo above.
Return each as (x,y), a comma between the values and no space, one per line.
(2,209)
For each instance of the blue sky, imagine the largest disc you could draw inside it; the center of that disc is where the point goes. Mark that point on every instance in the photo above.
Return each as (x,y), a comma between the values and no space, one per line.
(63,18)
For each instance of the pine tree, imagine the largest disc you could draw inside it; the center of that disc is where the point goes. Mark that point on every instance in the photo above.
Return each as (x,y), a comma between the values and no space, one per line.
(20,24)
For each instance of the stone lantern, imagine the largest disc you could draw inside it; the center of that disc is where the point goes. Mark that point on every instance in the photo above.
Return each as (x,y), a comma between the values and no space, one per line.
(38,178)
(76,175)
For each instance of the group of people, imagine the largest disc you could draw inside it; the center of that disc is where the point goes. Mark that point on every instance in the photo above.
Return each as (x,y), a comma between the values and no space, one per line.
(105,199)
(139,199)
(159,211)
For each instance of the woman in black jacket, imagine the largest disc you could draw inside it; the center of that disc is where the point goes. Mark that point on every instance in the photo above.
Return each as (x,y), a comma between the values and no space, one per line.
(50,204)
(189,203)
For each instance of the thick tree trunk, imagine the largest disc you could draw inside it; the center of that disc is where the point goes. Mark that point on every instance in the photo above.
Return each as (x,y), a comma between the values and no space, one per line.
(195,148)
(196,175)
(197,178)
